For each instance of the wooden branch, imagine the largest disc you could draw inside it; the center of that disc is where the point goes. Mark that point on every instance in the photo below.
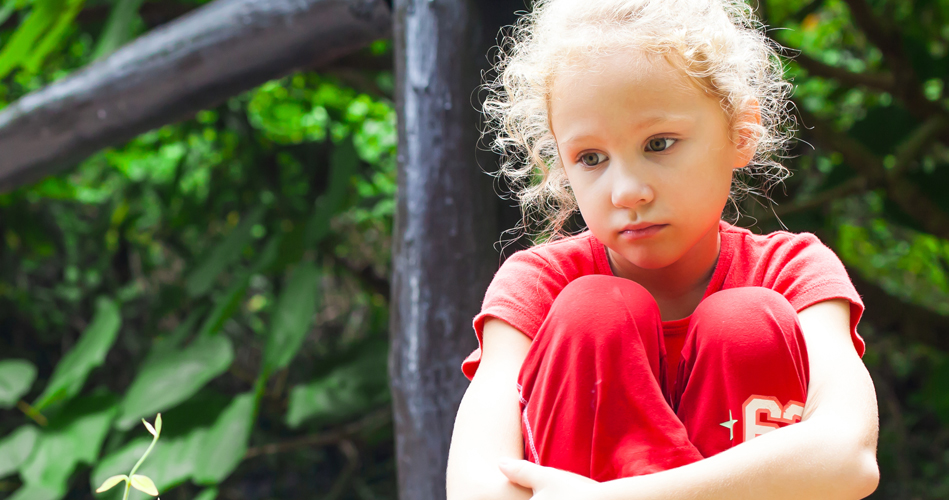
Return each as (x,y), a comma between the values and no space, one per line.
(877,81)
(911,321)
(192,63)
(886,37)
(848,188)
(901,191)
(338,435)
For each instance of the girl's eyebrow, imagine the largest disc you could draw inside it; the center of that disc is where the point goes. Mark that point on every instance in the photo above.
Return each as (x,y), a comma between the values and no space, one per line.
(645,123)
(657,119)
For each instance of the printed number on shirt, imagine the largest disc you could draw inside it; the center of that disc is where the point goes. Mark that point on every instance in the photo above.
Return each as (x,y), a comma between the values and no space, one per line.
(763,414)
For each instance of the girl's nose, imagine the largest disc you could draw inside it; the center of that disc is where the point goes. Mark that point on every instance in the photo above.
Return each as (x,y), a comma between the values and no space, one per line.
(629,189)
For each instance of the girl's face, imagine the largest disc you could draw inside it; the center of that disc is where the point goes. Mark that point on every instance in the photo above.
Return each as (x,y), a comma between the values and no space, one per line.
(648,155)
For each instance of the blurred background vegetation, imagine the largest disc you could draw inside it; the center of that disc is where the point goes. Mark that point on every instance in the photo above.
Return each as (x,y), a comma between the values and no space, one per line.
(231,270)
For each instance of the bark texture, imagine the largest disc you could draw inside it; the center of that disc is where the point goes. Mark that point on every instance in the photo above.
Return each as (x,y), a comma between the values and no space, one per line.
(446,222)
(192,63)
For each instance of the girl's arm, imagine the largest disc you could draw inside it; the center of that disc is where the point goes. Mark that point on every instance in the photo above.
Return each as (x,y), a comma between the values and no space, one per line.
(830,454)
(488,426)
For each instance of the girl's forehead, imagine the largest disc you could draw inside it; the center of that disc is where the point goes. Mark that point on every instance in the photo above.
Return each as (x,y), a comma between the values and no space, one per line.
(633,70)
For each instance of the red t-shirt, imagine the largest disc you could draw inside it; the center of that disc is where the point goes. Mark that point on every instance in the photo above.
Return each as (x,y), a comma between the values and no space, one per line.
(797,266)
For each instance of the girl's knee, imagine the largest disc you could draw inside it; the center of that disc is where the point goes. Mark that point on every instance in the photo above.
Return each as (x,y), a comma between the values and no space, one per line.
(593,309)
(748,317)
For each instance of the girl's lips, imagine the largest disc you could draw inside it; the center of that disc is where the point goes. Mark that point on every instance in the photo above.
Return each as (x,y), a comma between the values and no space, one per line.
(635,234)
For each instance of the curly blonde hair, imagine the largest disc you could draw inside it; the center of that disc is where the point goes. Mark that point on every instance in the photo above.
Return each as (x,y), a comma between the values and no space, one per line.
(717,43)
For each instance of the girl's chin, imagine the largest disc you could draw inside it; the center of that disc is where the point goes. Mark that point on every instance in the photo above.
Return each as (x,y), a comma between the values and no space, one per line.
(641,260)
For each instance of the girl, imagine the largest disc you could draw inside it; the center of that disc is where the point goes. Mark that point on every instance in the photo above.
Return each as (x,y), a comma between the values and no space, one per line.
(663,353)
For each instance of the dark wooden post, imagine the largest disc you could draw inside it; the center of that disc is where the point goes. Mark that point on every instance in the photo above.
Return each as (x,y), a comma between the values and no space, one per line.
(446,224)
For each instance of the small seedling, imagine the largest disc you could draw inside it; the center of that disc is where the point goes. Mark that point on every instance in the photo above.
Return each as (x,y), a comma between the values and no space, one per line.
(133,480)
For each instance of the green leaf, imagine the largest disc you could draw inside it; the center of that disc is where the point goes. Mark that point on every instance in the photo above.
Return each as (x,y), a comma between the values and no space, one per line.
(169,343)
(226,442)
(225,307)
(112,482)
(223,255)
(123,459)
(346,391)
(71,372)
(55,35)
(118,28)
(16,378)
(144,484)
(17,48)
(171,463)
(16,448)
(38,492)
(61,447)
(344,162)
(292,317)
(6,9)
(174,377)
(208,494)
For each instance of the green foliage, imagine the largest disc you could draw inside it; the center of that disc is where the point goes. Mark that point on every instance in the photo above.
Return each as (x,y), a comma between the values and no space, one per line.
(89,353)
(292,317)
(16,377)
(349,390)
(225,443)
(229,255)
(173,377)
(16,448)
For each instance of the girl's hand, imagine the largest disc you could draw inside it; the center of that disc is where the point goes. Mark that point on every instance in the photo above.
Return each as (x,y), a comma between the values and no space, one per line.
(548,483)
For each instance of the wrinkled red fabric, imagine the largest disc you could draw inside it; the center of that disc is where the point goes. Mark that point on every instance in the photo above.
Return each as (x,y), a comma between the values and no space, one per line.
(797,266)
(596,399)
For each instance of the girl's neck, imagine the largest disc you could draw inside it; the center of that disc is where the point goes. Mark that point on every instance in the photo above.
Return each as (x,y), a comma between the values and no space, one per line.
(681,285)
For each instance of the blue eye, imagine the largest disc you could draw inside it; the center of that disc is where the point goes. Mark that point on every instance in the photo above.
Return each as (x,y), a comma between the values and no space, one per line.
(660,144)
(592,159)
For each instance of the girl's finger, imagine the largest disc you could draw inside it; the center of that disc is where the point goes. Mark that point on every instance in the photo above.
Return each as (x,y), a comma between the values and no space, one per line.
(520,472)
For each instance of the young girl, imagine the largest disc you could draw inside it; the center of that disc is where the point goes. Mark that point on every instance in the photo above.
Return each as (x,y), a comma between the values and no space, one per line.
(663,353)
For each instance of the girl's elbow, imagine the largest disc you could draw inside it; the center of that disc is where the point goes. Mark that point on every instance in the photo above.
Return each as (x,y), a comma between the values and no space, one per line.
(867,473)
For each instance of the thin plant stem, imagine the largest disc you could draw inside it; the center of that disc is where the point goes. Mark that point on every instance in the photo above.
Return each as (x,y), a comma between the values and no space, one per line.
(139,463)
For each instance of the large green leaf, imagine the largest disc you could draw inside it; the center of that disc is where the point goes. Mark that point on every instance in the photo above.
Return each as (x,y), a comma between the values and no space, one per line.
(54,37)
(38,492)
(226,442)
(292,317)
(7,8)
(16,448)
(17,48)
(207,494)
(225,306)
(71,372)
(348,390)
(16,378)
(175,377)
(344,161)
(118,28)
(225,254)
(62,446)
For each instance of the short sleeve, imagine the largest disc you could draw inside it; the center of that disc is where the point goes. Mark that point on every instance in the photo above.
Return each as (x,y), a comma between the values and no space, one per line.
(521,294)
(807,272)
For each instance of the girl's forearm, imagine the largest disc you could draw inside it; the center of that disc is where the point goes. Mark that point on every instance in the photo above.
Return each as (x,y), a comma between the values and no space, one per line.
(489,484)
(807,460)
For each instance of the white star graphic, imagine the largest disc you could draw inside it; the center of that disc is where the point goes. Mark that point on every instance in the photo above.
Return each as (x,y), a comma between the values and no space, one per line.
(730,424)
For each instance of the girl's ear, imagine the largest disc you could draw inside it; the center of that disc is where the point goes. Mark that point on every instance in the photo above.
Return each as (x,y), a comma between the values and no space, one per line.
(747,126)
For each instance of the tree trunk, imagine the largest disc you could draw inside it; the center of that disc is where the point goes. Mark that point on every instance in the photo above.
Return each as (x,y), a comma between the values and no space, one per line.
(446,224)
(193,63)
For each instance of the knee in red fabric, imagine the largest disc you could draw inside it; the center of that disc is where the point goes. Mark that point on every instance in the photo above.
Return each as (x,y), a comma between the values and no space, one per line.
(591,398)
(748,323)
(593,313)
(744,368)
